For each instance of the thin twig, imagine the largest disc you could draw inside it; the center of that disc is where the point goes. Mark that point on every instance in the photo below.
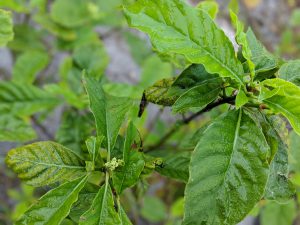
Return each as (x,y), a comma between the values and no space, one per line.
(187,120)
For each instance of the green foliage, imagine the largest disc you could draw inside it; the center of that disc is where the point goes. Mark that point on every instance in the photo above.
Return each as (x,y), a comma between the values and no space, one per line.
(278,214)
(28,65)
(57,202)
(6,30)
(173,20)
(216,170)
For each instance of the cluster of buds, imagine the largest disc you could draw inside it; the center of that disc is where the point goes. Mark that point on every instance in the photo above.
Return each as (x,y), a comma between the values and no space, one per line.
(113,164)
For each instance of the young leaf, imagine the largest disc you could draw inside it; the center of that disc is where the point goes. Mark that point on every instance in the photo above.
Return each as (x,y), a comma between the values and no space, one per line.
(91,57)
(241,99)
(241,39)
(263,60)
(6,29)
(28,65)
(211,7)
(102,210)
(24,99)
(199,96)
(109,111)
(13,128)
(228,171)
(93,145)
(128,174)
(290,71)
(44,163)
(176,166)
(175,27)
(282,97)
(54,206)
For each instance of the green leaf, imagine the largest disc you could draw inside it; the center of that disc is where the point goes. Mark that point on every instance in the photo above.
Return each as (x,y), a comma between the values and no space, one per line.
(93,145)
(26,38)
(282,97)
(44,163)
(176,166)
(167,91)
(241,39)
(45,21)
(211,7)
(91,57)
(6,29)
(228,171)
(84,202)
(278,187)
(241,99)
(102,210)
(109,111)
(175,27)
(290,71)
(262,59)
(28,65)
(278,214)
(153,209)
(199,96)
(24,99)
(124,218)
(192,76)
(127,175)
(54,206)
(158,93)
(294,145)
(13,128)
(68,14)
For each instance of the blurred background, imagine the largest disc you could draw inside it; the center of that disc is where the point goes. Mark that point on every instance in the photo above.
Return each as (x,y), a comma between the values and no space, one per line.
(52,33)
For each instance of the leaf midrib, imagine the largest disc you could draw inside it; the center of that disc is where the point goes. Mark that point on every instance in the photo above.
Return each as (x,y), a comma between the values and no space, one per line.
(48,164)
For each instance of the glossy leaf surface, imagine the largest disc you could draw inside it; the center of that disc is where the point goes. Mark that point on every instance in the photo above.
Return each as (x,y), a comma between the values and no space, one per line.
(228,171)
(175,27)
(283,97)
(199,96)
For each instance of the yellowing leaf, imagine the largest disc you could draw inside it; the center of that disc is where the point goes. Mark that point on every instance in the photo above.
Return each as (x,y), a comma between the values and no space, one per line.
(45,163)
